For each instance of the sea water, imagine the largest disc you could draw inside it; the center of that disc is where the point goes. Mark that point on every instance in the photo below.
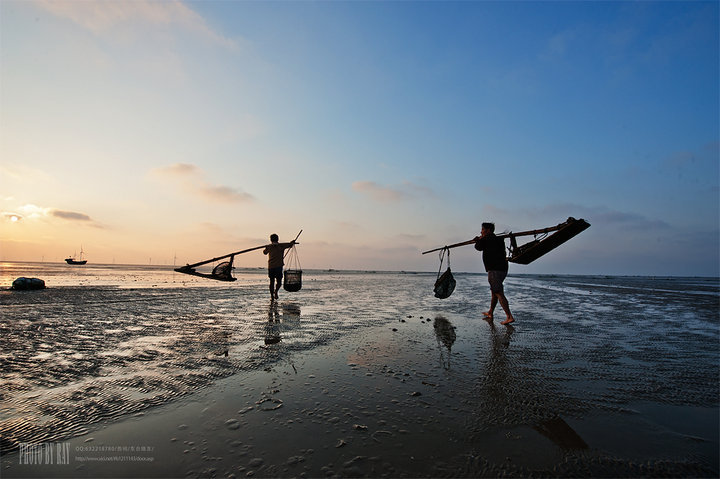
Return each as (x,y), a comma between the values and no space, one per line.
(104,342)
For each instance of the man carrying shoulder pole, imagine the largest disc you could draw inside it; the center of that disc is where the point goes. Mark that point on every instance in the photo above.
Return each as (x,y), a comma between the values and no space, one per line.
(496,265)
(276,253)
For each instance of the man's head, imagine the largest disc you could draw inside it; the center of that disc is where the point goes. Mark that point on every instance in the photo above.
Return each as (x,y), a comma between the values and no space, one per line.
(488,228)
(274,238)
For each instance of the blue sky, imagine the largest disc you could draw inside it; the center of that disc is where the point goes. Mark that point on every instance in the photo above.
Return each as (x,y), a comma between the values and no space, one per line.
(184,130)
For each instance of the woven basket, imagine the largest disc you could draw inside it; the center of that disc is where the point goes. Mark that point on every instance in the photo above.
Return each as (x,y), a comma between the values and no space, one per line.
(293,280)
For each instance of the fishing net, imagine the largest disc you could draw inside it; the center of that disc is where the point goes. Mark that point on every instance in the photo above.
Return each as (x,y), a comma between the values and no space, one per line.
(223,271)
(293,274)
(529,252)
(445,283)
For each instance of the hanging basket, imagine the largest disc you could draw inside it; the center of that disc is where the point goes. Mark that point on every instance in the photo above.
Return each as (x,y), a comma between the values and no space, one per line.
(293,280)
(293,275)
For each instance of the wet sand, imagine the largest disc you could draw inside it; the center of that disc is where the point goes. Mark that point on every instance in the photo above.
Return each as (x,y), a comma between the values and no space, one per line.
(365,376)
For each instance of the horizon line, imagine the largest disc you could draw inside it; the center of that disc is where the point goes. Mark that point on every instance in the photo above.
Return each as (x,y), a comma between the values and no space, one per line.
(374,271)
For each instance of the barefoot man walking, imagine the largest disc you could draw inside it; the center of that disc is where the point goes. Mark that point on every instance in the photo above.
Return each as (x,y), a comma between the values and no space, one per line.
(276,252)
(496,265)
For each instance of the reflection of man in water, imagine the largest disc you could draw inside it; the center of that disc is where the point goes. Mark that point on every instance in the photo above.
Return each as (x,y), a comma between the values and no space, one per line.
(496,265)
(499,386)
(272,330)
(276,253)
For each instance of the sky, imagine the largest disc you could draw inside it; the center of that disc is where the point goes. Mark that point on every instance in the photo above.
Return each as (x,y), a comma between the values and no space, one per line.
(171,132)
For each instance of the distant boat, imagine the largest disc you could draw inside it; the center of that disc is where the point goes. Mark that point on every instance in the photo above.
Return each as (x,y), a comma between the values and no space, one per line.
(72,260)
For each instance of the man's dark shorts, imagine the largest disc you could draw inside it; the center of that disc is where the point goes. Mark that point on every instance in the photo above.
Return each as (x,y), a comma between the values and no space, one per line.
(276,273)
(496,278)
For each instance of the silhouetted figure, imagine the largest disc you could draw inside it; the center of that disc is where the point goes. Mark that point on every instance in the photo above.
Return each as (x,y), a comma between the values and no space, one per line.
(496,265)
(276,254)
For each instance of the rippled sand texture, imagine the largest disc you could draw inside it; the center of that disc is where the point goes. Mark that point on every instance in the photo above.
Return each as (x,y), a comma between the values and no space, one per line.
(71,356)
(364,374)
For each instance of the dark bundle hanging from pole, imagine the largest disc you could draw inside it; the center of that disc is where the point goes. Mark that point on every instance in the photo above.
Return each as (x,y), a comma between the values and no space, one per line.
(445,283)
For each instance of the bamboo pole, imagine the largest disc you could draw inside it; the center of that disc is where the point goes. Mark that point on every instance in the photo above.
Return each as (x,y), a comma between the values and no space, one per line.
(288,250)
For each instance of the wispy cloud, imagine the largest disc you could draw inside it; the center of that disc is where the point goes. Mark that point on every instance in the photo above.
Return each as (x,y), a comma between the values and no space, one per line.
(378,192)
(632,221)
(104,17)
(598,215)
(178,170)
(558,45)
(695,163)
(31,212)
(71,216)
(223,194)
(343,225)
(75,217)
(192,180)
(389,194)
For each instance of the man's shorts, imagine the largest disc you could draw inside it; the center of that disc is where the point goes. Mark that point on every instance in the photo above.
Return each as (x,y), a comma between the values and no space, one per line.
(496,278)
(275,273)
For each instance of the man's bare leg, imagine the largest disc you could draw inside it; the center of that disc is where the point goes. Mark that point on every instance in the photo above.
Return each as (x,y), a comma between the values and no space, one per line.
(493,302)
(506,307)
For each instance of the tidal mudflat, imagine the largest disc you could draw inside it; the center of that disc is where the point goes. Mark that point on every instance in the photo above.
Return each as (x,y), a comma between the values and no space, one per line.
(122,371)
